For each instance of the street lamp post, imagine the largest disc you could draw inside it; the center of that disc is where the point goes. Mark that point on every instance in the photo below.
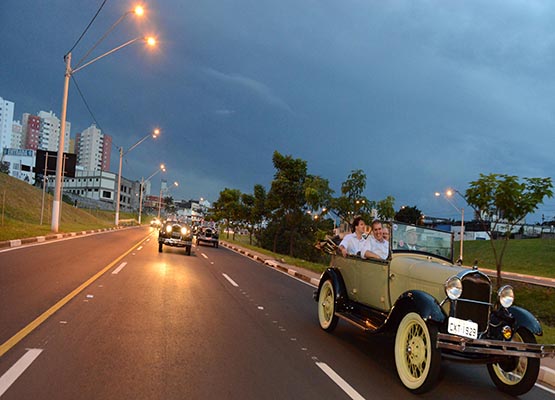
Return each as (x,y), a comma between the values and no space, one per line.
(448,194)
(143,181)
(160,199)
(68,73)
(154,135)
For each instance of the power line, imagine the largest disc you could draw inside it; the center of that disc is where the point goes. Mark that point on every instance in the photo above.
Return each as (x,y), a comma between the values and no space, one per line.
(86,29)
(85,101)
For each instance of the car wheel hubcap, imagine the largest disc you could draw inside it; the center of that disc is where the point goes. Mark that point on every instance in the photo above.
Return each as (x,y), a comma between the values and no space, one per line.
(416,352)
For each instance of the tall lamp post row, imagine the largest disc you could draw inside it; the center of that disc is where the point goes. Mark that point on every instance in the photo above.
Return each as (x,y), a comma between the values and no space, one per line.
(449,193)
(143,181)
(154,135)
(69,71)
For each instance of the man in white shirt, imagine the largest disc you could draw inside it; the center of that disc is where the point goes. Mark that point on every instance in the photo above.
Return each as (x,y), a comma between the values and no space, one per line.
(353,243)
(376,246)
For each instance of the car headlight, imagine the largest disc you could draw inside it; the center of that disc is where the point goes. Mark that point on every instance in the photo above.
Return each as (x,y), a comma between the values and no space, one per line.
(183,231)
(168,228)
(506,296)
(453,288)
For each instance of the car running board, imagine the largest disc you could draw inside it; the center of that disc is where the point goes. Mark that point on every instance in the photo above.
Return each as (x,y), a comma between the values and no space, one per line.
(366,324)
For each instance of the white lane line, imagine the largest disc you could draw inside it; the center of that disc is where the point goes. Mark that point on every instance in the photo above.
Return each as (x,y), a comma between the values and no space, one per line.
(204,255)
(139,248)
(118,269)
(230,280)
(17,369)
(352,393)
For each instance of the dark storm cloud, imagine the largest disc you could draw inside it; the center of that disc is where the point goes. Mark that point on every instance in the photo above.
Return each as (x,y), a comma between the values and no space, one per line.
(420,95)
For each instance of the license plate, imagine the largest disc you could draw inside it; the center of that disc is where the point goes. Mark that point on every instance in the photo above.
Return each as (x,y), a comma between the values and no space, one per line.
(176,235)
(464,328)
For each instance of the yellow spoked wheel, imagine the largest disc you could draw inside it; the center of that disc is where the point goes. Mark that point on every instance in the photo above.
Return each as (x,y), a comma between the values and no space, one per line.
(517,375)
(416,357)
(326,307)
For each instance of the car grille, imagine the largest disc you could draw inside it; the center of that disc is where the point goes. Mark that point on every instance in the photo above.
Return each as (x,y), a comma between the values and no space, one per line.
(475,302)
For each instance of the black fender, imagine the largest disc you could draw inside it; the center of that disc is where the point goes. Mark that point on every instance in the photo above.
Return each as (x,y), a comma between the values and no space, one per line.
(417,301)
(525,319)
(339,288)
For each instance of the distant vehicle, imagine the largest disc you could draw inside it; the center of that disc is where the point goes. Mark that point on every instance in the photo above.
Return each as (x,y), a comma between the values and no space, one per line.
(155,223)
(436,310)
(206,234)
(176,234)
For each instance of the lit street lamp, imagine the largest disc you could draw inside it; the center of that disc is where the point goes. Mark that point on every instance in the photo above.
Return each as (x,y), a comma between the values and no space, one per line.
(154,135)
(143,181)
(448,194)
(68,73)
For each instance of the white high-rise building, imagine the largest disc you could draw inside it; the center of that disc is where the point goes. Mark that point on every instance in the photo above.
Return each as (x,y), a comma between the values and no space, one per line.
(49,137)
(17,135)
(93,149)
(6,122)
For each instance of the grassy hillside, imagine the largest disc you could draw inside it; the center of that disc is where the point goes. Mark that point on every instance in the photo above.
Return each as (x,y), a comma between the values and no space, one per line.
(525,256)
(20,212)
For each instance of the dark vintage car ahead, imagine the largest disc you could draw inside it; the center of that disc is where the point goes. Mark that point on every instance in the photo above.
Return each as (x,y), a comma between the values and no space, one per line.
(205,234)
(175,233)
(436,310)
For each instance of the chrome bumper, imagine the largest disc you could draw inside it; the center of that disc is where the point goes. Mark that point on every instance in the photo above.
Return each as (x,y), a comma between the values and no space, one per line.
(494,347)
(176,242)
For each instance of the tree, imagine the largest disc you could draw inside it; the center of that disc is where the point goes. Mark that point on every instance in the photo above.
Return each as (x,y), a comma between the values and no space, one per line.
(351,202)
(253,206)
(227,207)
(502,199)
(292,194)
(385,208)
(167,202)
(410,215)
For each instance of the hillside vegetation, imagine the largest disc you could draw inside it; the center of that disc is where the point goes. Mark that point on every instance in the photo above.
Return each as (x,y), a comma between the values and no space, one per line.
(20,212)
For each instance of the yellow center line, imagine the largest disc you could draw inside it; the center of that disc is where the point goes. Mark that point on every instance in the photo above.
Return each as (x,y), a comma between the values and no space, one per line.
(44,316)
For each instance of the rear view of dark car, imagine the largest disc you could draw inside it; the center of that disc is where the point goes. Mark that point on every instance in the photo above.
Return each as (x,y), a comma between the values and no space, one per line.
(207,235)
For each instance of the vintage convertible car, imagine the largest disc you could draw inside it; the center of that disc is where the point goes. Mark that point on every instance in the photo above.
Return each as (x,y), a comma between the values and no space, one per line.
(175,233)
(435,308)
(206,234)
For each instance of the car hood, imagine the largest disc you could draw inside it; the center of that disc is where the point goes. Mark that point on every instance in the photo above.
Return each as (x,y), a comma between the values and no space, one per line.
(415,272)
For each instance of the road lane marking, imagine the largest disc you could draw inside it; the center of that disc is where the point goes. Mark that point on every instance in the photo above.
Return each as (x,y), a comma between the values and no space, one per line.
(230,280)
(11,342)
(17,369)
(352,393)
(118,269)
(204,255)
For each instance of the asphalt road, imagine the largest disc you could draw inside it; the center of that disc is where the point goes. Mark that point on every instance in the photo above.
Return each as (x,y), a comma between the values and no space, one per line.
(213,325)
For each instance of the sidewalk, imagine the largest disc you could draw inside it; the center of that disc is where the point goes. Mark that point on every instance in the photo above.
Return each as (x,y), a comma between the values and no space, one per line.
(52,236)
(547,369)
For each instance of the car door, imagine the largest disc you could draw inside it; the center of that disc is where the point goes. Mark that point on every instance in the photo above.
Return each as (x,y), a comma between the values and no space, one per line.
(373,281)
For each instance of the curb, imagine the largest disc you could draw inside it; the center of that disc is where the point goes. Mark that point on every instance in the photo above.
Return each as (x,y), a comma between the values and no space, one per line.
(546,375)
(55,236)
(310,277)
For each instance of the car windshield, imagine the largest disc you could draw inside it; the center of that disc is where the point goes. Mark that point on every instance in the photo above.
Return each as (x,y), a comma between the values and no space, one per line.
(420,239)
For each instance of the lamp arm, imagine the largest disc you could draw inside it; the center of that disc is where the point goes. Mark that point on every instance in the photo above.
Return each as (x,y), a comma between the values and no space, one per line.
(106,54)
